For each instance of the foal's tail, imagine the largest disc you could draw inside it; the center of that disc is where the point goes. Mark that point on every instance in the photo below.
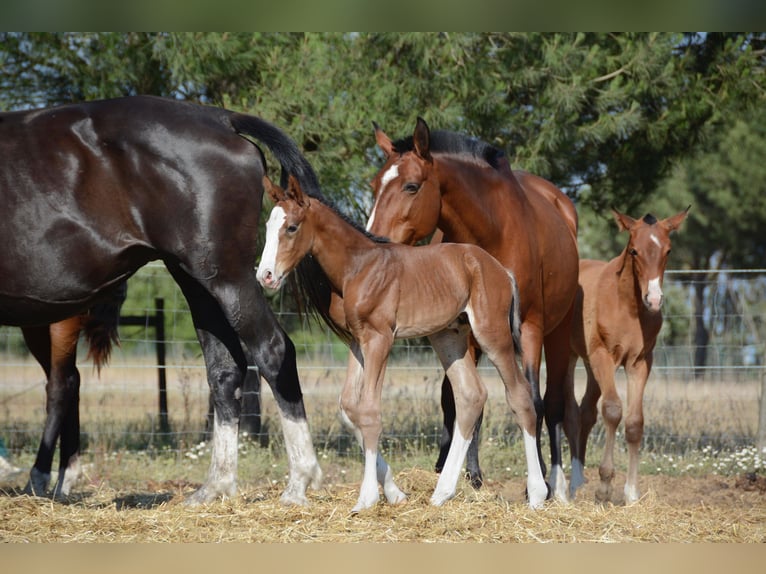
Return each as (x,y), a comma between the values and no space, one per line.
(312,286)
(515,315)
(100,326)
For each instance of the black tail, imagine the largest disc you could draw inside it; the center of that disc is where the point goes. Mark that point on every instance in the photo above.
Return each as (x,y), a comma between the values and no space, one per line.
(100,326)
(311,285)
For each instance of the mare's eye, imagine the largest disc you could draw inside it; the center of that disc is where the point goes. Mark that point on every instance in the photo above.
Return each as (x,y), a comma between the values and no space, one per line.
(633,252)
(411,187)
(292,228)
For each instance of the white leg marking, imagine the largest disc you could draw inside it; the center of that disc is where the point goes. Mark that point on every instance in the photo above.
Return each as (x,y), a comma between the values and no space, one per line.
(537,490)
(558,479)
(578,477)
(222,474)
(386,479)
(368,493)
(447,483)
(631,493)
(69,477)
(303,468)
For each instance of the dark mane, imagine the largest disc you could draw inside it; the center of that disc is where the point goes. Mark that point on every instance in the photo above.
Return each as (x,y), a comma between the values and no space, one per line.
(327,202)
(447,142)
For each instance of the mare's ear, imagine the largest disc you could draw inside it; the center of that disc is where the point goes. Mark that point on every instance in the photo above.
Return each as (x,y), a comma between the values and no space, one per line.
(275,192)
(295,192)
(421,139)
(624,222)
(674,222)
(384,142)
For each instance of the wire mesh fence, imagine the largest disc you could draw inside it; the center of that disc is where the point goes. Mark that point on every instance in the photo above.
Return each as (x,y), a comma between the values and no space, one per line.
(704,389)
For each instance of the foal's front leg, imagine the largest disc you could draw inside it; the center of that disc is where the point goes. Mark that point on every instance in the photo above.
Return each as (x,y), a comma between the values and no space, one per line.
(358,404)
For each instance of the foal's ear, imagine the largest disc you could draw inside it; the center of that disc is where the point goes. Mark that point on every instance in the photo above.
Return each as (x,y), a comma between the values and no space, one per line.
(624,222)
(275,192)
(384,142)
(295,192)
(674,222)
(421,139)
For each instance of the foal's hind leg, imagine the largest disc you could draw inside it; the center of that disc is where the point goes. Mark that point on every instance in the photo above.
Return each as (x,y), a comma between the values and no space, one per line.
(473,469)
(470,395)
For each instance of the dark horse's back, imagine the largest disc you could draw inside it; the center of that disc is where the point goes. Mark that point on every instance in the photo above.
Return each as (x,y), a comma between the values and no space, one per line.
(90,192)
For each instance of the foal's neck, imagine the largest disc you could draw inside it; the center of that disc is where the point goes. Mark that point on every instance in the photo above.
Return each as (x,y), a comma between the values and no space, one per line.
(338,246)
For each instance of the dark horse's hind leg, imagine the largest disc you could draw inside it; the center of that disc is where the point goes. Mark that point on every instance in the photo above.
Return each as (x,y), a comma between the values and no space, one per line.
(245,335)
(473,470)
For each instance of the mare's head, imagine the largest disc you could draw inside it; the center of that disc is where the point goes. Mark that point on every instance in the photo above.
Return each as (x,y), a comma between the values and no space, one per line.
(406,190)
(287,239)
(648,248)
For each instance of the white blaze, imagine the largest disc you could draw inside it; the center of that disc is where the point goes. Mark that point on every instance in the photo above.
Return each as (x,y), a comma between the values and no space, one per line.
(391,173)
(269,256)
(654,293)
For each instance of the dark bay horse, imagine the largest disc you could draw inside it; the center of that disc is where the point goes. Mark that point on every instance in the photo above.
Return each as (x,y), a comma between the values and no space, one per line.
(390,291)
(616,322)
(91,192)
(466,189)
(55,349)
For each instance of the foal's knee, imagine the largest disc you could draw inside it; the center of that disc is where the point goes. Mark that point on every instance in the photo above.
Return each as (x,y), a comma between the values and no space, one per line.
(611,409)
(634,428)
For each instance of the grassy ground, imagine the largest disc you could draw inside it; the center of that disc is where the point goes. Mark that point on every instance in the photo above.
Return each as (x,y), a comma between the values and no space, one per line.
(701,478)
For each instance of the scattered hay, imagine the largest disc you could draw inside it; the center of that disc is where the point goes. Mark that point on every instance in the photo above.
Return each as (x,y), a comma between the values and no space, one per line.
(672,510)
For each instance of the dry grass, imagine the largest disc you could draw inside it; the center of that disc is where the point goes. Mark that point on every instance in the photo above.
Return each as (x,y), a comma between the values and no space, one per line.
(672,510)
(126,500)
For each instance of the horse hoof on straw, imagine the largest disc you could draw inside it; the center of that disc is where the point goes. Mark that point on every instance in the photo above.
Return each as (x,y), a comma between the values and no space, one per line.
(293,498)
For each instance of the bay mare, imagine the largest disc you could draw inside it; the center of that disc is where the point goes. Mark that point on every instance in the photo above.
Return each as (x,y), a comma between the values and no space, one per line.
(93,191)
(465,189)
(386,291)
(616,322)
(55,349)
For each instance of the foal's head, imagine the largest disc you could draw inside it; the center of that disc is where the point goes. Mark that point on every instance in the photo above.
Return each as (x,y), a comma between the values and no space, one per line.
(287,242)
(649,247)
(406,190)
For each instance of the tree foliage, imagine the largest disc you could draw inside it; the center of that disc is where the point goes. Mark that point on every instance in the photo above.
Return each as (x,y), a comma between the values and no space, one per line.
(607,117)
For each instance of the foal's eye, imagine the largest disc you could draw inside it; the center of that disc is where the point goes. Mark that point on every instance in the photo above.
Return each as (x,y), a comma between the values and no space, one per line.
(633,252)
(292,228)
(411,187)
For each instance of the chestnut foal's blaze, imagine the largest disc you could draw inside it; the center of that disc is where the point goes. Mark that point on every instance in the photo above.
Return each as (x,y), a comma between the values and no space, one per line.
(91,192)
(466,189)
(616,322)
(385,291)
(55,348)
